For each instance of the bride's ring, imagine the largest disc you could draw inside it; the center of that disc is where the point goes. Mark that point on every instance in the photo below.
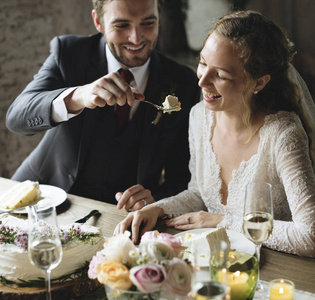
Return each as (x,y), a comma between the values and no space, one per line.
(144,202)
(188,220)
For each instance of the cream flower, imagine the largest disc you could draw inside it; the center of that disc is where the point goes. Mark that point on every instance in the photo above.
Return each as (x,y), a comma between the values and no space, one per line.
(156,252)
(178,278)
(118,248)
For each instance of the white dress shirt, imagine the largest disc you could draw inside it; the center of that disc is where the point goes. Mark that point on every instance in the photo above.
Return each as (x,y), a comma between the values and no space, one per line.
(59,110)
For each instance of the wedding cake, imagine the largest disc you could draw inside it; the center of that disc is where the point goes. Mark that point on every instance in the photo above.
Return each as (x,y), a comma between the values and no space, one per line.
(79,243)
(22,194)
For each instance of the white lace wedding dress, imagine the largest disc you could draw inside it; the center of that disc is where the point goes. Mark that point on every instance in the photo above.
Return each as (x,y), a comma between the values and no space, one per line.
(282,160)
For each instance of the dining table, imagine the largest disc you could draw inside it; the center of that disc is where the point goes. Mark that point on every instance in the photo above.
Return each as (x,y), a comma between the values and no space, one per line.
(273,264)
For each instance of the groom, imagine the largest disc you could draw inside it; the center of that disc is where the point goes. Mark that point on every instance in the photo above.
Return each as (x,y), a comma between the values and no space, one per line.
(77,95)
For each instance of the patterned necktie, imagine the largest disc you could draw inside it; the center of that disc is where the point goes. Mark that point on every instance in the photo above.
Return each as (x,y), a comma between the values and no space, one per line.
(122,112)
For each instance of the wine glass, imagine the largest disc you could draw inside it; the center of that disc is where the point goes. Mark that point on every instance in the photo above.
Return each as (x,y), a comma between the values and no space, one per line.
(258,221)
(44,245)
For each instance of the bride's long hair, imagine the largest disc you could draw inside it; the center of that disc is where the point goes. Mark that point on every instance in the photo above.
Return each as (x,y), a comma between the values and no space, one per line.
(264,49)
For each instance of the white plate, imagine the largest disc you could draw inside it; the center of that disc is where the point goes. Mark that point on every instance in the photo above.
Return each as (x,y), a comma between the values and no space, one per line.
(238,242)
(51,196)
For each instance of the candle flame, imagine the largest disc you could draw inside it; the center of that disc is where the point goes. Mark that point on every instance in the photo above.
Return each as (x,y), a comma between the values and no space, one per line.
(236,274)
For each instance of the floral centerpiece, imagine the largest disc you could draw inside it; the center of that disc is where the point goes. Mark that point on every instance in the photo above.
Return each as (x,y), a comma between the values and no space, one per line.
(153,266)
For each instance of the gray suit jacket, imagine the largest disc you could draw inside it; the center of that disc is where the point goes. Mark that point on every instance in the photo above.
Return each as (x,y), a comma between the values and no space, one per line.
(78,60)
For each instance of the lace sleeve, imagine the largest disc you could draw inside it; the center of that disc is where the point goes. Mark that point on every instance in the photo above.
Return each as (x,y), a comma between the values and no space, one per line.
(295,171)
(307,106)
(190,199)
(231,220)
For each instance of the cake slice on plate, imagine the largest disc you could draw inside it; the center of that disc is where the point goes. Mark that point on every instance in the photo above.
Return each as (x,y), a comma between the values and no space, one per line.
(22,194)
(215,238)
(201,245)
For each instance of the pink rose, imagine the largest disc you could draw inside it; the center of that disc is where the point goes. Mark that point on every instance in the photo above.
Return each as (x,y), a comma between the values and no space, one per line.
(97,259)
(165,238)
(149,236)
(178,278)
(148,278)
(173,241)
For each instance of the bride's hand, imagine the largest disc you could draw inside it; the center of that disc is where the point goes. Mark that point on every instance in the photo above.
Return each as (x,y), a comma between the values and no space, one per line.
(146,218)
(193,220)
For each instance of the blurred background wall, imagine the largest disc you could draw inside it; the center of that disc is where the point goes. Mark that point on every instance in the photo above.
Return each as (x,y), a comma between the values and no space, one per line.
(27,26)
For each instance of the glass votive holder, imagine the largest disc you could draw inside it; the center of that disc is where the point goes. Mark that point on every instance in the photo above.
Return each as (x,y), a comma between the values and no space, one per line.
(210,290)
(240,275)
(281,289)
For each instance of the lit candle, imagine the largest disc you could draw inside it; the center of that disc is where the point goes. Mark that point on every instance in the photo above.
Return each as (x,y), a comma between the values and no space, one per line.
(238,283)
(240,276)
(281,289)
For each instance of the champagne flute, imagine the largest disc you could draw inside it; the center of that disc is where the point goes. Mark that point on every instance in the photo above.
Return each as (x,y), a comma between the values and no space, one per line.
(258,221)
(44,245)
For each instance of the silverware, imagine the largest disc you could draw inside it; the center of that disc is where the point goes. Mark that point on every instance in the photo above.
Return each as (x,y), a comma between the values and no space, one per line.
(91,214)
(158,107)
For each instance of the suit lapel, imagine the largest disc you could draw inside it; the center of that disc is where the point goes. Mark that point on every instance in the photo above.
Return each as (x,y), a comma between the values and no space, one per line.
(98,68)
(98,62)
(151,132)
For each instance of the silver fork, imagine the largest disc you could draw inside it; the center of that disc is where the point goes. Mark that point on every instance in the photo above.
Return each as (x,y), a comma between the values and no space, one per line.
(158,107)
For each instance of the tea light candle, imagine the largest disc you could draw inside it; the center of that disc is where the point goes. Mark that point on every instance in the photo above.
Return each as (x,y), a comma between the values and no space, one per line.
(240,276)
(238,283)
(281,289)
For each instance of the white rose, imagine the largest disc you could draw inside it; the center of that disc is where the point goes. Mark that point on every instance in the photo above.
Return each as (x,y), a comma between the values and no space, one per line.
(178,280)
(156,252)
(118,248)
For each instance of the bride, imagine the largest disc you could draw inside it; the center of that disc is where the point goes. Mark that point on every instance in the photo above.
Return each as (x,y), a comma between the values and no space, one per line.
(253,124)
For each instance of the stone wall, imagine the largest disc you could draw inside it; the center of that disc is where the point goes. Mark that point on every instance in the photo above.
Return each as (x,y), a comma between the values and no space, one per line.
(27,26)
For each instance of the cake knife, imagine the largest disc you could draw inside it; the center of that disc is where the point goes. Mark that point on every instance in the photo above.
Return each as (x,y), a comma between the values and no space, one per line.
(91,214)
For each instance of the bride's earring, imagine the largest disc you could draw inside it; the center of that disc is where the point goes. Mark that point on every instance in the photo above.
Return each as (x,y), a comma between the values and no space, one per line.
(255,92)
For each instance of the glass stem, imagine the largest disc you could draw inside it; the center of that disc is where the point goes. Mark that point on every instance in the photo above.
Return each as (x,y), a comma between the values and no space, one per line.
(47,284)
(257,250)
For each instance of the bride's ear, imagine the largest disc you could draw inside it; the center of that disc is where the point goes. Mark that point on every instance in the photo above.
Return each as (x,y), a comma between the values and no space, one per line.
(261,83)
